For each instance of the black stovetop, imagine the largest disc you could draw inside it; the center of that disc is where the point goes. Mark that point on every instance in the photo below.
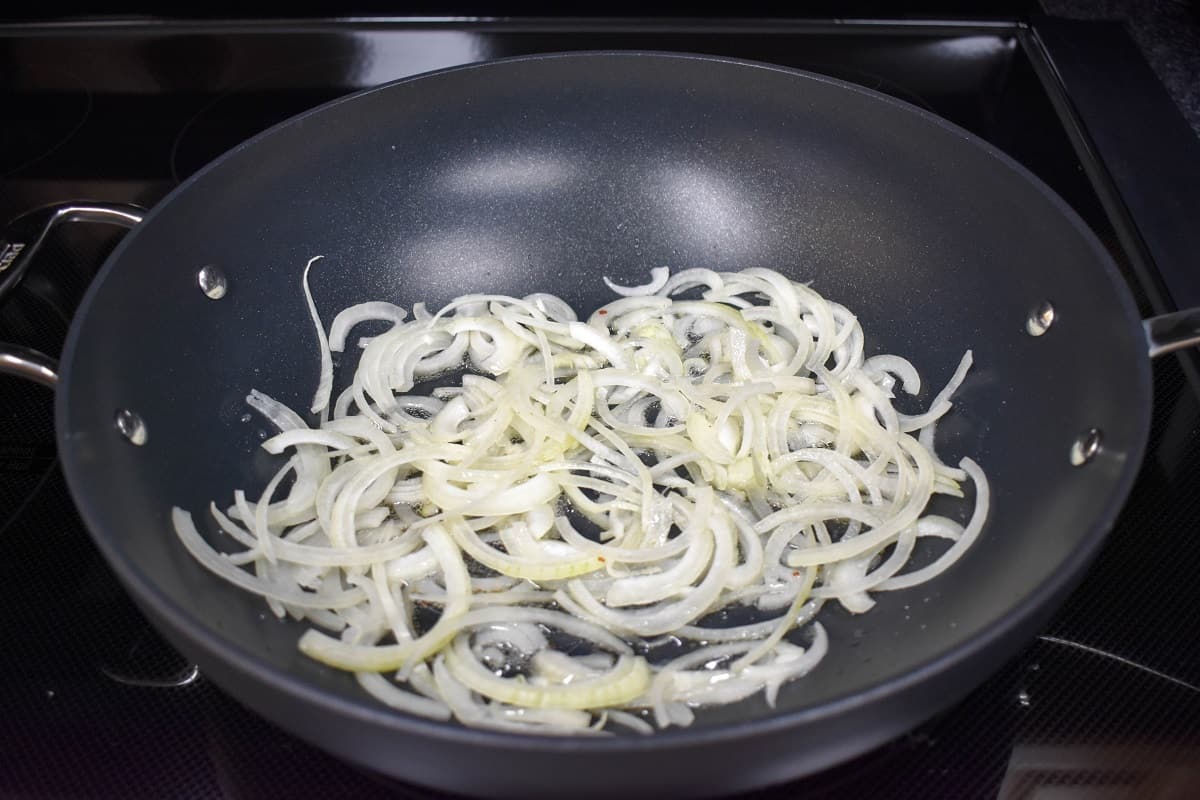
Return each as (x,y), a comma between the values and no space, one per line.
(1106,702)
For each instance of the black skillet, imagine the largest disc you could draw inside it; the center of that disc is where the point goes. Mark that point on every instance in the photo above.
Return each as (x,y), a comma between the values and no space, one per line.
(544,174)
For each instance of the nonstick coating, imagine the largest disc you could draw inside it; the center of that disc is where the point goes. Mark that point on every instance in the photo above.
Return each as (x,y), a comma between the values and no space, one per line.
(545,174)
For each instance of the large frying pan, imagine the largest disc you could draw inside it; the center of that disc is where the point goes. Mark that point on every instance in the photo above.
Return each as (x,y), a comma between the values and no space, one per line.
(544,174)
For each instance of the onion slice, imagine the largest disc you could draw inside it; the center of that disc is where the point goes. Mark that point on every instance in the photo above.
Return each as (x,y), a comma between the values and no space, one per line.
(600,525)
(658,279)
(325,381)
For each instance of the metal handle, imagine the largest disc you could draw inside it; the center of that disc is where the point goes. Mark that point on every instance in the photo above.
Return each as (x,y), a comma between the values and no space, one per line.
(24,236)
(29,364)
(21,241)
(1170,332)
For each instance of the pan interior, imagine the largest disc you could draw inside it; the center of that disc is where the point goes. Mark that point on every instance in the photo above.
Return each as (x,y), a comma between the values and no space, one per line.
(546,175)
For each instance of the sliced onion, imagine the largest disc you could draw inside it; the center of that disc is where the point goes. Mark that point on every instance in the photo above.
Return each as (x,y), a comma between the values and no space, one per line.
(393,696)
(355,315)
(658,279)
(580,465)
(627,680)
(185,528)
(325,382)
(957,550)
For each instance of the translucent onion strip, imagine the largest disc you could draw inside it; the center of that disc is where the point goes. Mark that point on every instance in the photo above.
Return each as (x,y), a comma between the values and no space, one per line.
(593,527)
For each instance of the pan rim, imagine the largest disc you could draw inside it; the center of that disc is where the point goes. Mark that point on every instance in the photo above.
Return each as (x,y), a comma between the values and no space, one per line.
(192,628)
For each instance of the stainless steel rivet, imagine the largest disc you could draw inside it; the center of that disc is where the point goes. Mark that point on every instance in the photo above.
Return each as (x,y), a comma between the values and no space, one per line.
(212,282)
(1040,319)
(1085,448)
(131,427)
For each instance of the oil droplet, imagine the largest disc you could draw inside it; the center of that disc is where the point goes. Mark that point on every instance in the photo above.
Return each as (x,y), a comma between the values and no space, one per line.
(1023,699)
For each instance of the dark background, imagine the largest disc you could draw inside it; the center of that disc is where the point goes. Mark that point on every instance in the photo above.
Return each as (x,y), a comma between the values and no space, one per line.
(817,8)
(1166,31)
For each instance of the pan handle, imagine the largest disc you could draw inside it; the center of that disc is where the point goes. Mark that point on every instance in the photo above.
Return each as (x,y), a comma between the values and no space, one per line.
(1167,333)
(21,241)
(32,365)
(26,234)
